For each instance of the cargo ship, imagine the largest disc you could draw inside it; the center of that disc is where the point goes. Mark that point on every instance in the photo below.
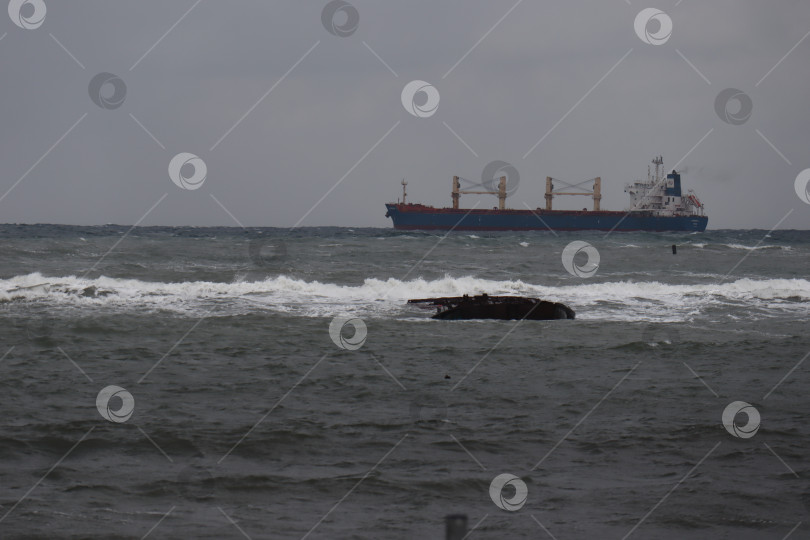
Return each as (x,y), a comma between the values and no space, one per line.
(657,204)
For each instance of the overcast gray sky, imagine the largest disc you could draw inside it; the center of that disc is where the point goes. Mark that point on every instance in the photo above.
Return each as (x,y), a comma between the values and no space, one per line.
(574,74)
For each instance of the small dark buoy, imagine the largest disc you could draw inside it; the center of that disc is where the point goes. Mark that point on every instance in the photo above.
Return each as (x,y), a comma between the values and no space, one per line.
(674,249)
(446,376)
(455,526)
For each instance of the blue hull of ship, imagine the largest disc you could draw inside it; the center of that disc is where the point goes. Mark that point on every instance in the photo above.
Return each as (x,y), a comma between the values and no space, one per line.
(523,220)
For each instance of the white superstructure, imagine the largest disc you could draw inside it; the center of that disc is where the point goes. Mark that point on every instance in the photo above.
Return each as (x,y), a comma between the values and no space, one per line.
(661,194)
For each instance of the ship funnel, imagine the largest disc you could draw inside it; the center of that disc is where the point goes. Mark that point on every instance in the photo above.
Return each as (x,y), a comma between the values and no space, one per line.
(673,184)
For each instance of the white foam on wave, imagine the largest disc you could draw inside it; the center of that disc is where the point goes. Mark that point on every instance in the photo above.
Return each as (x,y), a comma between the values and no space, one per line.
(619,300)
(753,248)
(702,245)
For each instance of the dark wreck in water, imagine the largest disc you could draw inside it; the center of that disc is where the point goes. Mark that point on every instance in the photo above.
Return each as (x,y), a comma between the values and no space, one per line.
(495,307)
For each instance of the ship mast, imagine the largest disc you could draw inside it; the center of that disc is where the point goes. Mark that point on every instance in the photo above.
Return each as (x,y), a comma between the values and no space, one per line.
(404,193)
(659,163)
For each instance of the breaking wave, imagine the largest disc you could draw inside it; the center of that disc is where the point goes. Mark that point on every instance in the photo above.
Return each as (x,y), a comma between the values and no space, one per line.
(702,245)
(617,300)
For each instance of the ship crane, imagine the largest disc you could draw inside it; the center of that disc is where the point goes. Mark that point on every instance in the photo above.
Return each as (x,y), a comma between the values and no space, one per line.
(596,192)
(458,192)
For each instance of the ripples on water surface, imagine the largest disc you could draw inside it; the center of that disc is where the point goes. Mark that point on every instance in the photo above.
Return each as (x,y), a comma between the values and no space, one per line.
(222,335)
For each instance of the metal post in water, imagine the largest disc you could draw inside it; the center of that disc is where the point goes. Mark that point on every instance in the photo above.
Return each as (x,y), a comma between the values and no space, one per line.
(674,249)
(455,526)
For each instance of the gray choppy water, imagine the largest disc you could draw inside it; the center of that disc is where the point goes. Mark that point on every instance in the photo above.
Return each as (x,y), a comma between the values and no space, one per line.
(247,415)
